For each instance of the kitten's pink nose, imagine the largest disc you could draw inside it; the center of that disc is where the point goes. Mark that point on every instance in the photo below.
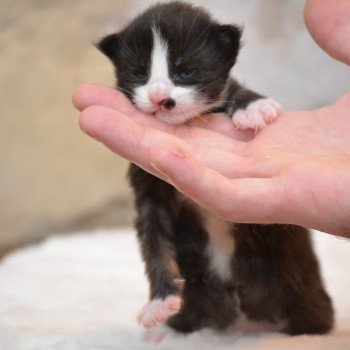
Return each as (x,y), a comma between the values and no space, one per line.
(159,92)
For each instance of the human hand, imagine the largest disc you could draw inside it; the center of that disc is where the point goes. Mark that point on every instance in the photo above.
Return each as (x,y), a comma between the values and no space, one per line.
(295,171)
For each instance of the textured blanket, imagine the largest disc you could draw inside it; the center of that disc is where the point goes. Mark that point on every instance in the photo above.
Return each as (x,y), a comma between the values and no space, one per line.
(83,291)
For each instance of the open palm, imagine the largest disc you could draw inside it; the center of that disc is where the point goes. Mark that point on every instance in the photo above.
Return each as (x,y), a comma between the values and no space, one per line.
(301,160)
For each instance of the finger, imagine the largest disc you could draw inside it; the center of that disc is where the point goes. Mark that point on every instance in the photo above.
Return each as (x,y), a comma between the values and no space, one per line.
(96,94)
(134,142)
(131,140)
(118,132)
(209,138)
(244,200)
(230,164)
(89,95)
(329,25)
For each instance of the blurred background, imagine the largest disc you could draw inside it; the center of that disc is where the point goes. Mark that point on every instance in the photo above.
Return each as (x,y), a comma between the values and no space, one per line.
(55,179)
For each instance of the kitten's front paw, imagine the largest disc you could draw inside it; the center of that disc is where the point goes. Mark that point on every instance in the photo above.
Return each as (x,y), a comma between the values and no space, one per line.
(158,311)
(257,114)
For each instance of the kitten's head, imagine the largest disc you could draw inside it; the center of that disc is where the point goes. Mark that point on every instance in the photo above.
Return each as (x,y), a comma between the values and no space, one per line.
(173,60)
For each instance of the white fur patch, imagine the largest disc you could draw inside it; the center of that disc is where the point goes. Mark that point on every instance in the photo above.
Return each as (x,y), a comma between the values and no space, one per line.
(159,62)
(257,114)
(220,262)
(159,85)
(221,247)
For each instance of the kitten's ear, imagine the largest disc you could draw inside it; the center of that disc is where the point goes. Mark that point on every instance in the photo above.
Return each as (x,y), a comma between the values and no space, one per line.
(229,38)
(109,45)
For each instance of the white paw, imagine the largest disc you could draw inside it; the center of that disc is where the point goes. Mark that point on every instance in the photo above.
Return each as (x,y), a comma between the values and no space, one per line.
(158,311)
(257,114)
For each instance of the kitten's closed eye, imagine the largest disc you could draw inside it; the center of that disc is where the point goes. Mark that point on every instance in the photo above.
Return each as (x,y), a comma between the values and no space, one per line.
(184,70)
(138,73)
(189,72)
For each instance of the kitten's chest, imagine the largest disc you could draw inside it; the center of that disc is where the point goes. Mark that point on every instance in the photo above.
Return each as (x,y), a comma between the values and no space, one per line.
(221,245)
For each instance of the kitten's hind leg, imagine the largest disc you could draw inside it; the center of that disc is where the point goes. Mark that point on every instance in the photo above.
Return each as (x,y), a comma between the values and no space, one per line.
(311,315)
(206,304)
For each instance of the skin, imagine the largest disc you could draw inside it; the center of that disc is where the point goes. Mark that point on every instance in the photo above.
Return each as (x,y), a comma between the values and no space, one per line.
(295,171)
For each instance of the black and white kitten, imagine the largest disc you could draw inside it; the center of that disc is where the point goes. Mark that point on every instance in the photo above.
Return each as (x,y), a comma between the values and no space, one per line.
(174,61)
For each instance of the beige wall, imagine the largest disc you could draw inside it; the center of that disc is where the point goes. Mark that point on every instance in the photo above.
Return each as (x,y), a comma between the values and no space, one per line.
(49,170)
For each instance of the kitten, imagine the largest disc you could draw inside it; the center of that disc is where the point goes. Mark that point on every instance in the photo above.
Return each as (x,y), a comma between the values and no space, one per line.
(174,61)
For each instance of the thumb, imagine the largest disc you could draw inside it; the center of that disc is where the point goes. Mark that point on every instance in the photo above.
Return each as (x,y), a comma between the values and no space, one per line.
(329,25)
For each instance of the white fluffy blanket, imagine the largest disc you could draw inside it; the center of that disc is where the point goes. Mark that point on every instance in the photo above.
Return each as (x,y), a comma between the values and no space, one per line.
(83,291)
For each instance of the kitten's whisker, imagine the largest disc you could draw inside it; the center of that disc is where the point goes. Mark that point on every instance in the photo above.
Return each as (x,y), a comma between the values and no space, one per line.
(196,112)
(195,43)
(189,31)
(126,50)
(133,36)
(206,86)
(123,90)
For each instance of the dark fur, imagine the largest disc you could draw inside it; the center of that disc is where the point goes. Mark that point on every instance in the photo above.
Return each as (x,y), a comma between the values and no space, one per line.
(276,274)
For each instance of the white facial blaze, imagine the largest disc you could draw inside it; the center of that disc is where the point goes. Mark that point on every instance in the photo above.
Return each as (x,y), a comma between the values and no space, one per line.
(160,87)
(159,61)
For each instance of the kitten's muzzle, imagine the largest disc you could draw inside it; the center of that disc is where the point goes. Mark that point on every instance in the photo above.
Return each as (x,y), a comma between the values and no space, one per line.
(159,94)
